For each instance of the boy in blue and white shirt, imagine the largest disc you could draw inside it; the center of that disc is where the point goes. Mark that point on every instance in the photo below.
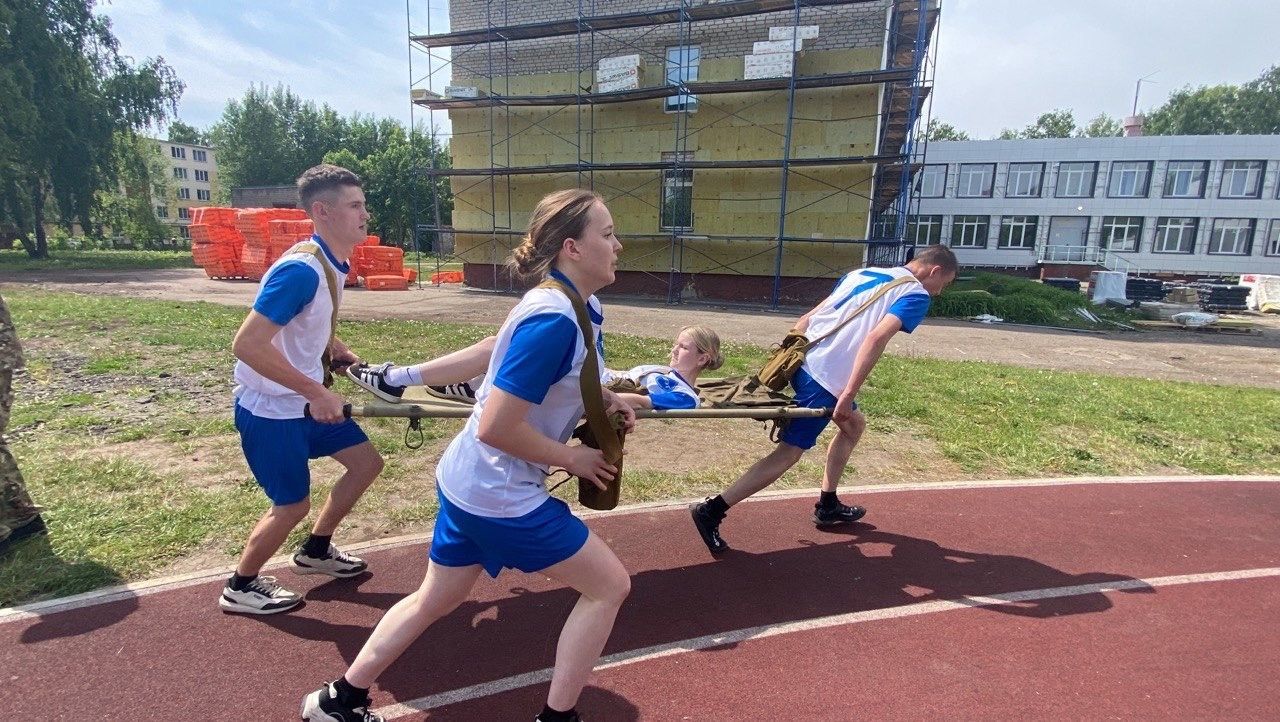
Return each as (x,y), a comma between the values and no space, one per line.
(278,374)
(831,376)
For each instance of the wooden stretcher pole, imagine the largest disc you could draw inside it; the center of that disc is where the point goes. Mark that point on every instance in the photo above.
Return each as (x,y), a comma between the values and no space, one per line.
(429,411)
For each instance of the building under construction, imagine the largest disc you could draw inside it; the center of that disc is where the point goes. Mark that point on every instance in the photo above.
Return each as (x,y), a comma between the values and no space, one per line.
(749,150)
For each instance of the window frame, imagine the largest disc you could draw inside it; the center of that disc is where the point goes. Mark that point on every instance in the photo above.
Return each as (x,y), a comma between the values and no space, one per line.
(184,213)
(1251,228)
(1106,233)
(1006,223)
(1146,184)
(184,194)
(204,194)
(162,212)
(1093,179)
(1271,244)
(956,225)
(1039,176)
(1204,179)
(179,173)
(990,184)
(684,72)
(199,156)
(668,181)
(914,225)
(1222,180)
(177,152)
(942,187)
(205,173)
(1163,221)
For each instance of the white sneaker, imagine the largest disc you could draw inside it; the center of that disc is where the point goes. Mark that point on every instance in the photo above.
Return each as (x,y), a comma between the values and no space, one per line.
(260,596)
(336,563)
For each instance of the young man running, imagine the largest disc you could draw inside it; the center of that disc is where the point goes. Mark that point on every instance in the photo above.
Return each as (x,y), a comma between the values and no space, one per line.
(282,348)
(831,376)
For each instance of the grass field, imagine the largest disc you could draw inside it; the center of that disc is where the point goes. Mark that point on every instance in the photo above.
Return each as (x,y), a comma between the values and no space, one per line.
(122,426)
(17,260)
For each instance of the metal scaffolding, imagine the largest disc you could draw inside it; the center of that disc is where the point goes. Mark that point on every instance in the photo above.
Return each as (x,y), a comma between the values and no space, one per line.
(905,81)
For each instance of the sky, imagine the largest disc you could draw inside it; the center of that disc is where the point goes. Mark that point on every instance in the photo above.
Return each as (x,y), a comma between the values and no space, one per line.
(1000,62)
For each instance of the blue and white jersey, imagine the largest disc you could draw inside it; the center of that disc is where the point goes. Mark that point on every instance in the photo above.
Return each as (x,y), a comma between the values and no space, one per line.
(295,295)
(538,357)
(830,363)
(667,388)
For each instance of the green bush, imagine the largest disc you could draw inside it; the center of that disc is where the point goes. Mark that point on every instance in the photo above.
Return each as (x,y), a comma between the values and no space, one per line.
(1026,308)
(1000,285)
(962,304)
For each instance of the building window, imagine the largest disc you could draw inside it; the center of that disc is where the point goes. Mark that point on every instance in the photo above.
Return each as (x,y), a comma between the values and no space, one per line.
(931,181)
(184,213)
(1129,179)
(924,230)
(1018,231)
(176,152)
(682,67)
(677,194)
(180,173)
(1076,179)
(1231,237)
(184,194)
(975,180)
(198,156)
(184,231)
(1273,239)
(969,231)
(162,211)
(1024,180)
(1242,179)
(1121,233)
(1175,235)
(1185,178)
(202,175)
(202,194)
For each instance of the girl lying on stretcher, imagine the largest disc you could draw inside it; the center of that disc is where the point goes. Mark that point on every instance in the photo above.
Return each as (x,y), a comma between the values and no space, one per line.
(459,375)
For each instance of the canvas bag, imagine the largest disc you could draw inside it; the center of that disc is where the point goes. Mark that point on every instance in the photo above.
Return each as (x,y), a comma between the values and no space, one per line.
(599,431)
(788,356)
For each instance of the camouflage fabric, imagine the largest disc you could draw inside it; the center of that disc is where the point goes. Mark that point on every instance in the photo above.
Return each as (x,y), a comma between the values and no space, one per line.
(16,507)
(10,349)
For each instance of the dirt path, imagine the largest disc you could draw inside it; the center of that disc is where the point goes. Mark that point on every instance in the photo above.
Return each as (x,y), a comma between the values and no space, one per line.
(1181,356)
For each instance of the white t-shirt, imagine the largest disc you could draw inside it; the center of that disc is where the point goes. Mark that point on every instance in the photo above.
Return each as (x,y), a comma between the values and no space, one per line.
(667,388)
(830,363)
(295,295)
(538,357)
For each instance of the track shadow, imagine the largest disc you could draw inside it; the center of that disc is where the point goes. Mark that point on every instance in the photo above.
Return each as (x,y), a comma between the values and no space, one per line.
(862,569)
(36,556)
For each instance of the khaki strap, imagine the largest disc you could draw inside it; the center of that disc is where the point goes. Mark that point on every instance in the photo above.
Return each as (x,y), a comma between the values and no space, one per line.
(314,249)
(589,378)
(875,296)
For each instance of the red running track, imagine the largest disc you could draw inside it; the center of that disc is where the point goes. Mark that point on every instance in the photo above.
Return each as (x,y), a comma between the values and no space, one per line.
(856,623)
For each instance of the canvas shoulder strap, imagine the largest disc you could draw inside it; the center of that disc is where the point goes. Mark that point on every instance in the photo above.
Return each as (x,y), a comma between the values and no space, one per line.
(313,248)
(589,378)
(876,295)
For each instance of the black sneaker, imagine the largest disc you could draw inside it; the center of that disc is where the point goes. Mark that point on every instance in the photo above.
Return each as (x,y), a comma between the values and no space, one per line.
(322,705)
(335,563)
(454,392)
(574,717)
(263,595)
(374,380)
(708,527)
(838,514)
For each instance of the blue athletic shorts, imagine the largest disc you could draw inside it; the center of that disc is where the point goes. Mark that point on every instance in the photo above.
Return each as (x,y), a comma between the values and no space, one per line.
(803,433)
(545,536)
(278,451)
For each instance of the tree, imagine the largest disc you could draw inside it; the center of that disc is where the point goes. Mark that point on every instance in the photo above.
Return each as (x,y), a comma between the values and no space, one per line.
(1103,126)
(1054,124)
(144,175)
(939,130)
(66,92)
(269,137)
(1253,108)
(180,132)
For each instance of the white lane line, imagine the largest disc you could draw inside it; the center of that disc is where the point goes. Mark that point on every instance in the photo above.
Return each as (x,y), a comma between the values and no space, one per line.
(179,581)
(685,646)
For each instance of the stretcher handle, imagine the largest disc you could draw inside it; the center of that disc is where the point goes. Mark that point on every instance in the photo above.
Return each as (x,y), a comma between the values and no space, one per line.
(346,411)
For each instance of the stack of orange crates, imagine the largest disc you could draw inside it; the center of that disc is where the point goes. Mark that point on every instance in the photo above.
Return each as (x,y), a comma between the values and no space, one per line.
(382,268)
(216,242)
(268,233)
(353,276)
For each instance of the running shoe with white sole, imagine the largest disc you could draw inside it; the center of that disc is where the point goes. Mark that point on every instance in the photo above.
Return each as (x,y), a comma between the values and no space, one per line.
(374,380)
(322,705)
(336,563)
(260,596)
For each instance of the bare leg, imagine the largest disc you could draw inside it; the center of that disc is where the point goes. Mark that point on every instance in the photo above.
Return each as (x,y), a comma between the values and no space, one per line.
(763,473)
(442,590)
(269,533)
(604,583)
(839,450)
(363,464)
